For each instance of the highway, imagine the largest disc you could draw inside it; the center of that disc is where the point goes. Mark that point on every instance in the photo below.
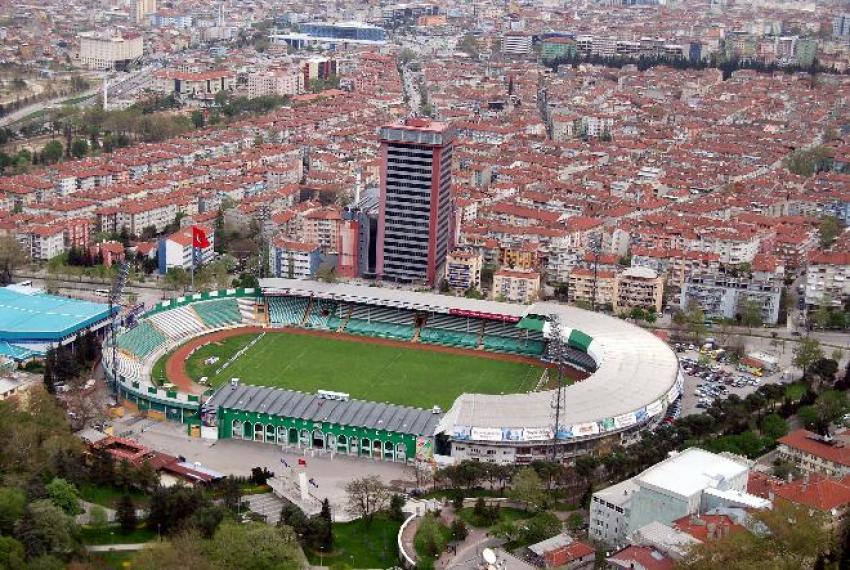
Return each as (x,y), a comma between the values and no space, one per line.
(120,84)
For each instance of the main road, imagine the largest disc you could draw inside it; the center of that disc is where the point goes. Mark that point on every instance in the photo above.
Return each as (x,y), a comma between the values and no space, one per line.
(83,99)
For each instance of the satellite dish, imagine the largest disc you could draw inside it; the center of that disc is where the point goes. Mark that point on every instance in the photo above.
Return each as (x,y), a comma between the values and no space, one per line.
(489,556)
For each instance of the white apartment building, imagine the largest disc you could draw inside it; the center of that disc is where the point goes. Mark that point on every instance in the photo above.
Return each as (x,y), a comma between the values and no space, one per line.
(731,247)
(287,81)
(828,278)
(294,259)
(463,270)
(43,242)
(177,250)
(516,44)
(516,285)
(692,481)
(103,50)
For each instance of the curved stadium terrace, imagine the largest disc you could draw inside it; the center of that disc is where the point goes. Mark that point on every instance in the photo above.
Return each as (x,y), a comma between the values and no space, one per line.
(633,375)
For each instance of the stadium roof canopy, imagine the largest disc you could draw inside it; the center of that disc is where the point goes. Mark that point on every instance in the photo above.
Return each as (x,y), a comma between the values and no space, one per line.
(32,316)
(299,405)
(637,374)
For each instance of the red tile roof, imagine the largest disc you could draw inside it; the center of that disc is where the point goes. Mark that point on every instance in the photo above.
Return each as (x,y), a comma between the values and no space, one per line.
(804,440)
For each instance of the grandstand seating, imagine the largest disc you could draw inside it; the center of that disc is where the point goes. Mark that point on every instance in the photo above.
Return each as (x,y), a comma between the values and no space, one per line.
(449,330)
(128,366)
(382,322)
(178,323)
(141,340)
(380,330)
(449,338)
(287,310)
(513,345)
(320,313)
(452,323)
(219,313)
(246,310)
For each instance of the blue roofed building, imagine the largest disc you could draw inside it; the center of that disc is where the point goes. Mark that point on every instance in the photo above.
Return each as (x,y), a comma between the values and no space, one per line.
(31,320)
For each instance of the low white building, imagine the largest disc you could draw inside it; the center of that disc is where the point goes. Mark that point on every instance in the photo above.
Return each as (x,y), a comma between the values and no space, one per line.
(686,483)
(177,249)
(294,259)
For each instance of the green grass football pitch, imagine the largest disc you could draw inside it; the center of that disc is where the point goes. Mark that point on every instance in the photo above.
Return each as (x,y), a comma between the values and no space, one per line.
(374,372)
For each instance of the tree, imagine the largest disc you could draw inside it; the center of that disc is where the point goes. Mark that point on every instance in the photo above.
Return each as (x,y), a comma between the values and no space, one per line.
(807,352)
(12,503)
(293,517)
(171,507)
(125,515)
(828,228)
(79,148)
(540,527)
(52,152)
(45,529)
(430,539)
(12,256)
(197,119)
(527,487)
(751,314)
(65,496)
(231,496)
(792,537)
(459,530)
(773,426)
(396,506)
(406,55)
(366,496)
(177,278)
(98,518)
(12,555)
(254,545)
(183,551)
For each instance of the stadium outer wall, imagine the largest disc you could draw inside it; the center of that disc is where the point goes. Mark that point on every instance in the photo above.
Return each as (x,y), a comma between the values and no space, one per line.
(460,444)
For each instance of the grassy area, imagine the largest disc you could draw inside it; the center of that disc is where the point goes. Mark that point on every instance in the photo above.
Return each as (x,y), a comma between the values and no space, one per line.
(112,535)
(158,370)
(110,496)
(380,373)
(506,514)
(795,391)
(362,545)
(116,560)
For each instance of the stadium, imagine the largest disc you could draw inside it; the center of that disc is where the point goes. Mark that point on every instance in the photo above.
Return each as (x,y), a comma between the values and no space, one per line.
(31,321)
(394,374)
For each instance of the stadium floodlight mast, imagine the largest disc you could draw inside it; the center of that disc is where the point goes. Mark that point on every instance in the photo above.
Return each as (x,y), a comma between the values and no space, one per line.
(115,295)
(557,354)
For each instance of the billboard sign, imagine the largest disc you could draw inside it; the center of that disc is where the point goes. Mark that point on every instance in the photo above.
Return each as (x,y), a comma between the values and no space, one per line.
(487,434)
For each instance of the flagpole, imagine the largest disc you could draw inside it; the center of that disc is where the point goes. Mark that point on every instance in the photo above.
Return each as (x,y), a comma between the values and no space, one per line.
(192,286)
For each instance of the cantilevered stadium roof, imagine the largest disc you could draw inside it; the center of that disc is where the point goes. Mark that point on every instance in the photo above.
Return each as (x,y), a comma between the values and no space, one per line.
(637,374)
(354,413)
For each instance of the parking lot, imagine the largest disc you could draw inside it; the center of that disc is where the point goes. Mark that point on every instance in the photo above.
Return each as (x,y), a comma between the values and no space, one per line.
(708,379)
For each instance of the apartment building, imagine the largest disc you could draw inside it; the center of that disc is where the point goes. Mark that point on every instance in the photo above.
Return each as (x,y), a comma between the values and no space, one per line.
(516,44)
(322,226)
(43,242)
(516,285)
(294,259)
(279,82)
(463,270)
(813,453)
(103,50)
(723,294)
(638,287)
(177,250)
(585,286)
(828,278)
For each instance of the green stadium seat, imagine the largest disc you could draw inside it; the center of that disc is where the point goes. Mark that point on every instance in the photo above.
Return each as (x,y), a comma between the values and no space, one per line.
(141,340)
(219,313)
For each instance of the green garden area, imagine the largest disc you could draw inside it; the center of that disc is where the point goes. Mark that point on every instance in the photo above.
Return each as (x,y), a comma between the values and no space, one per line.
(376,372)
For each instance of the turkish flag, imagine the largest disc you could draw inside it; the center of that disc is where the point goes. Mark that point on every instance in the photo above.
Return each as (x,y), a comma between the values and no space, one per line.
(199,238)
